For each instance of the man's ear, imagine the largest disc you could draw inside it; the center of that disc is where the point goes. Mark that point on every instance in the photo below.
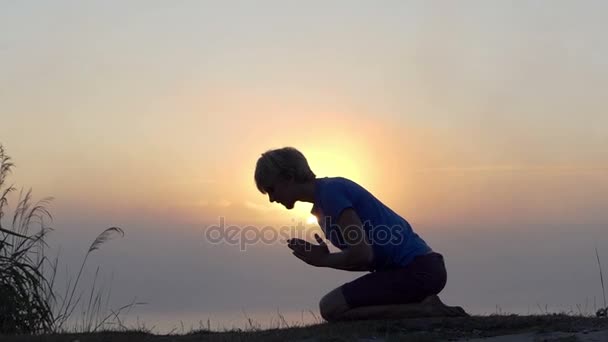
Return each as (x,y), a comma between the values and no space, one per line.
(289,175)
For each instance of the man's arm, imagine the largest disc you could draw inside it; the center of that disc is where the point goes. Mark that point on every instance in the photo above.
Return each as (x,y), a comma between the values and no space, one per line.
(358,256)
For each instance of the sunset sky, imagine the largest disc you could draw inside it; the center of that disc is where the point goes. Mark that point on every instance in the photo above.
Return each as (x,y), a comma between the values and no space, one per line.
(482,123)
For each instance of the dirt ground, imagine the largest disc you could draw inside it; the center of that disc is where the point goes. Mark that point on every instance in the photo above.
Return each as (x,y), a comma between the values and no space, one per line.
(493,328)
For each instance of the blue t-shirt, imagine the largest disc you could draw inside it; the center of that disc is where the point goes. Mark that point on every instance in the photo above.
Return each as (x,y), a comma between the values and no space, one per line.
(393,241)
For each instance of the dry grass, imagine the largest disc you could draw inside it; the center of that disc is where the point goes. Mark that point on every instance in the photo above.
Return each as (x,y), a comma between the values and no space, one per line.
(420,329)
(29,302)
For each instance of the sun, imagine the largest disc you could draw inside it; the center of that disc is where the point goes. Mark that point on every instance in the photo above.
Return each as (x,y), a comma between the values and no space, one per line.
(311,219)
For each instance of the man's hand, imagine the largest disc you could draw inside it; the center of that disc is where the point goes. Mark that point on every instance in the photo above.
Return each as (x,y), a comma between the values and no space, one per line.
(311,254)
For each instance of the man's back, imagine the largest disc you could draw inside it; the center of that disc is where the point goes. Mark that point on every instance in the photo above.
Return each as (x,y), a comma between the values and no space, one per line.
(394,242)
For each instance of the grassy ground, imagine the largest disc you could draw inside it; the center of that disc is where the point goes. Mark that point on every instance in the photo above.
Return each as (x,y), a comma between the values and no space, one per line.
(421,329)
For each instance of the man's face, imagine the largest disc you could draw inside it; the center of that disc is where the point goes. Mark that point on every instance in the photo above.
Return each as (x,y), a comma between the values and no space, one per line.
(281,191)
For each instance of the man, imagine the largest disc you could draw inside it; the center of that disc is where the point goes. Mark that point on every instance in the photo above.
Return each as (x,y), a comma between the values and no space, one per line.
(405,273)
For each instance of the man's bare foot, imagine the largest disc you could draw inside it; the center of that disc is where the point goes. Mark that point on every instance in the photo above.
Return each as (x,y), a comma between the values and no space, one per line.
(436,307)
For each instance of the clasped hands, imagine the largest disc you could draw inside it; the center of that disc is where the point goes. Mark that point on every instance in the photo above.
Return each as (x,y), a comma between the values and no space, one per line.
(311,254)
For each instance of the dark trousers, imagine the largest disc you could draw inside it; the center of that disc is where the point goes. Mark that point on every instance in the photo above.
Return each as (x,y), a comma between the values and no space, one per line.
(424,276)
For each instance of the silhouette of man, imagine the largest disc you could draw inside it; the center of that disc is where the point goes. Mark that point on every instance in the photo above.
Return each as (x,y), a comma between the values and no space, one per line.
(405,274)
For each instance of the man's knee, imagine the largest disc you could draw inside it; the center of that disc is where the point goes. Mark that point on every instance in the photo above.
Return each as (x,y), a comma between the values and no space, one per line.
(332,305)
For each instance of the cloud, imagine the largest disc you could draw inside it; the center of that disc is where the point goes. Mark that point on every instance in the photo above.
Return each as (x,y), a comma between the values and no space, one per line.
(192,181)
(224,203)
(258,207)
(514,168)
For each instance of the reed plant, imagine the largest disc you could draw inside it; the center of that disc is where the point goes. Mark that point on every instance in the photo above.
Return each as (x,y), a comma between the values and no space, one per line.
(29,300)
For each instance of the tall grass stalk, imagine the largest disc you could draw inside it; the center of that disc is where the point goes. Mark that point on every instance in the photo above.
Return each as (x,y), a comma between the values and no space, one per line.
(601,276)
(24,290)
(29,302)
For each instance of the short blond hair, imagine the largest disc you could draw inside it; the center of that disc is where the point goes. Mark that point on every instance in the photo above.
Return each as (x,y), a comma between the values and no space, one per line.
(283,162)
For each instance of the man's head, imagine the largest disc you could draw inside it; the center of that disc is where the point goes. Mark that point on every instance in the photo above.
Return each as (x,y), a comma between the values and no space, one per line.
(278,172)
